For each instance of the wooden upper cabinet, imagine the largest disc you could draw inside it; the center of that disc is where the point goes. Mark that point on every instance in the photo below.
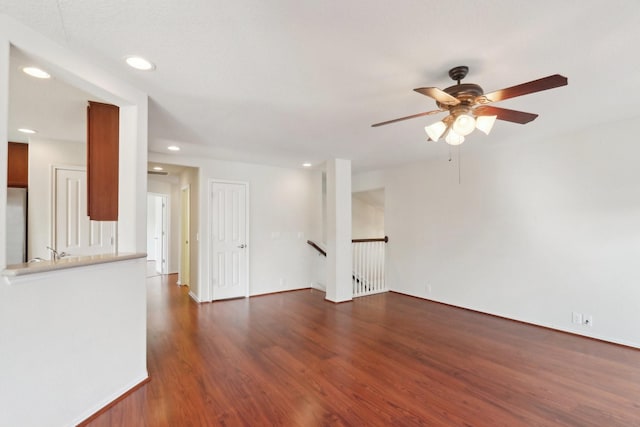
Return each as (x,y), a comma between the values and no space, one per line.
(103,128)
(18,165)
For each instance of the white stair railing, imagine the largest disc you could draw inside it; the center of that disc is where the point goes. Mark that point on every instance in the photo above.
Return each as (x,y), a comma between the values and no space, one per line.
(368,266)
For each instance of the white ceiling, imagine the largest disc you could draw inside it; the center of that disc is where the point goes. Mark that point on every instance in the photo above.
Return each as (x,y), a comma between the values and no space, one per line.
(287,81)
(53,108)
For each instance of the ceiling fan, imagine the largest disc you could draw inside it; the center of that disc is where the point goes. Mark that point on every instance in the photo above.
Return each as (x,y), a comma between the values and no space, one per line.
(468,109)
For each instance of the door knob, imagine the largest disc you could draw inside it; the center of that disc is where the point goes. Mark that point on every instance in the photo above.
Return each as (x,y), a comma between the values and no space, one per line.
(242,246)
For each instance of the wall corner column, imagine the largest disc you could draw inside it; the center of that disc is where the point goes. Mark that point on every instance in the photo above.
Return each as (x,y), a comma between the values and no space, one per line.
(4,135)
(339,262)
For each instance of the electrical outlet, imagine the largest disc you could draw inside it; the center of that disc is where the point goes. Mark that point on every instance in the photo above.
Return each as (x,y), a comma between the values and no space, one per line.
(576,318)
(587,320)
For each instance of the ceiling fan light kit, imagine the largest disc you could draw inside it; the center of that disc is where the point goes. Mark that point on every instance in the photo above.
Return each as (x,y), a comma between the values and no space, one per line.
(485,123)
(453,138)
(464,124)
(467,106)
(435,130)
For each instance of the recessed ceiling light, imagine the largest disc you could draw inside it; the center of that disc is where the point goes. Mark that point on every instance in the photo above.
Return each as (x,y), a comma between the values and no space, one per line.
(140,63)
(306,165)
(36,72)
(173,148)
(25,130)
(157,168)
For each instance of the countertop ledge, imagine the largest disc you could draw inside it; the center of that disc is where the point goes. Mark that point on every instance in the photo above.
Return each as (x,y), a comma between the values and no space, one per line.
(71,262)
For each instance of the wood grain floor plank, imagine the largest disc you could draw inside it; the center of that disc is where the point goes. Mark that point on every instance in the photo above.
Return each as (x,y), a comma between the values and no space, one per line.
(294,359)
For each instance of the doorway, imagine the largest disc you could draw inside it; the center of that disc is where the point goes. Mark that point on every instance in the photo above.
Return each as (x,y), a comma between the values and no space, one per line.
(158,231)
(367,214)
(228,241)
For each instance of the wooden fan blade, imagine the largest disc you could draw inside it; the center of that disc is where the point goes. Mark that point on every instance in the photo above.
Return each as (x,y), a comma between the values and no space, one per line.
(544,83)
(427,113)
(439,95)
(504,114)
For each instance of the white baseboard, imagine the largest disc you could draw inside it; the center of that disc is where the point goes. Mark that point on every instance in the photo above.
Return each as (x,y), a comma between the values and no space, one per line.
(108,400)
(194,297)
(319,286)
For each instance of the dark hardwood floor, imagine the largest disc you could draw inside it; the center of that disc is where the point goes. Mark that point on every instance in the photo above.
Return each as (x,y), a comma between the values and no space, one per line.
(294,359)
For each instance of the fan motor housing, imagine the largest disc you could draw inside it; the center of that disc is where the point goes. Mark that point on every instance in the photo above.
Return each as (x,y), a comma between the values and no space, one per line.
(466,93)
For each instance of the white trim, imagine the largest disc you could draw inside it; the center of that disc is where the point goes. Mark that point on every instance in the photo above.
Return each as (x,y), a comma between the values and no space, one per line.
(109,400)
(194,297)
(247,235)
(302,288)
(47,275)
(181,246)
(318,286)
(546,325)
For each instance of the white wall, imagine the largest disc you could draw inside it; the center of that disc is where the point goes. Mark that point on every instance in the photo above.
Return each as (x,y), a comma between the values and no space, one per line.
(367,220)
(534,231)
(151,227)
(71,343)
(73,340)
(4,137)
(43,155)
(285,211)
(281,219)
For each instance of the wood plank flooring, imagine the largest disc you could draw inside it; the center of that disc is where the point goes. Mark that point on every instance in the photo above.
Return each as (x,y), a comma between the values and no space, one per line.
(293,359)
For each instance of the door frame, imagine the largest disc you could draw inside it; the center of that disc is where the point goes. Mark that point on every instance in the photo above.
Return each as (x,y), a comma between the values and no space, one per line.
(185,222)
(210,243)
(166,212)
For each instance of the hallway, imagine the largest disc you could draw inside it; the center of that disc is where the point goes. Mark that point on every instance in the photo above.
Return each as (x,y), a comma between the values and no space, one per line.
(295,359)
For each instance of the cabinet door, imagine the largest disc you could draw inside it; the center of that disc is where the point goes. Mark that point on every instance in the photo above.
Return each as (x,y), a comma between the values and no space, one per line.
(18,165)
(103,127)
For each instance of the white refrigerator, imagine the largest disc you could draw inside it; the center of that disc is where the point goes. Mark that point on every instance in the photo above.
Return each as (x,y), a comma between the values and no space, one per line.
(16,225)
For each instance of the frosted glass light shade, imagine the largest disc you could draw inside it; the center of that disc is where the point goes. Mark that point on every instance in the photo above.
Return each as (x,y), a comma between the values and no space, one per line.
(464,124)
(485,123)
(435,130)
(453,138)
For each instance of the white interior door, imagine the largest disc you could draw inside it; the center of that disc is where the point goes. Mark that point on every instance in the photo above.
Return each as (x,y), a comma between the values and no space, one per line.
(157,231)
(75,233)
(229,252)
